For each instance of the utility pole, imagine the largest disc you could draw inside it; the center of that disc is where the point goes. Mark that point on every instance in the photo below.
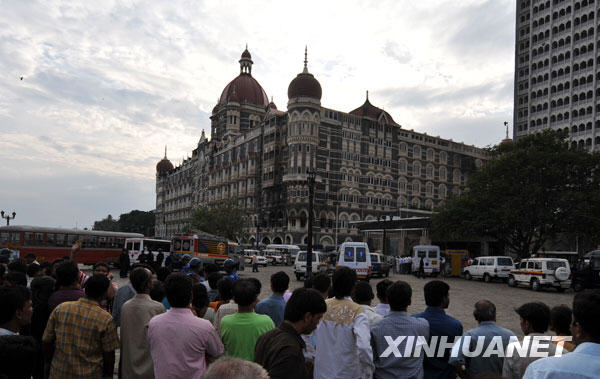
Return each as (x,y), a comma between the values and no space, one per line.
(7,217)
(309,248)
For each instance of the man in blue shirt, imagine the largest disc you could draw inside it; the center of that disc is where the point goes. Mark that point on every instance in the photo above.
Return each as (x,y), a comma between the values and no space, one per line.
(398,324)
(494,336)
(584,361)
(441,325)
(274,306)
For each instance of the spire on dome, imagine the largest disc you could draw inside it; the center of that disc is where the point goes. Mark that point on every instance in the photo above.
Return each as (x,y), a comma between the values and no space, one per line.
(305,71)
(165,151)
(367,95)
(506,124)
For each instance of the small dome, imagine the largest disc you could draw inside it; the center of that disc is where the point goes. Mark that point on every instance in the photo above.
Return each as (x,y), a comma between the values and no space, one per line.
(305,84)
(164,166)
(246,54)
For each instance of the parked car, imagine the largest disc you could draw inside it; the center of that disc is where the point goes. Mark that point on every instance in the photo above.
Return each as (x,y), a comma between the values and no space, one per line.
(488,268)
(538,273)
(380,264)
(587,273)
(273,256)
(319,263)
(248,254)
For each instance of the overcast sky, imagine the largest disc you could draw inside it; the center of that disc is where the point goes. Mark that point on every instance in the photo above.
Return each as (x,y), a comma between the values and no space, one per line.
(107,84)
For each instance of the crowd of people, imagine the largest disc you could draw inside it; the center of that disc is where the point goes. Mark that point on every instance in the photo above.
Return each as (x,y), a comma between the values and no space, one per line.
(197,322)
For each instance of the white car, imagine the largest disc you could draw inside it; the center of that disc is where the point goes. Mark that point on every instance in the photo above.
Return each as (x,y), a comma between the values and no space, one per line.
(542,272)
(488,268)
(248,254)
(273,257)
(319,264)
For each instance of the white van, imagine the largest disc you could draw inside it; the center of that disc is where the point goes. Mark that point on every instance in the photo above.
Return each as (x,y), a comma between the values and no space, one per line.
(356,256)
(135,246)
(319,263)
(431,259)
(488,268)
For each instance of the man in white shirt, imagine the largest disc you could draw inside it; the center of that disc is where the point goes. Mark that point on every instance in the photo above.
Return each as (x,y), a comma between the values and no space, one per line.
(534,318)
(383,308)
(343,339)
(15,309)
(363,295)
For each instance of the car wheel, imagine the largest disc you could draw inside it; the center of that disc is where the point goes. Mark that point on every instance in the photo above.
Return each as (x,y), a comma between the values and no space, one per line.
(298,277)
(511,281)
(468,275)
(535,285)
(578,286)
(560,289)
(486,278)
(387,273)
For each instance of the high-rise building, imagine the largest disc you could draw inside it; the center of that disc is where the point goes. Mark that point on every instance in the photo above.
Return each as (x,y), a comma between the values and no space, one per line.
(366,164)
(557,70)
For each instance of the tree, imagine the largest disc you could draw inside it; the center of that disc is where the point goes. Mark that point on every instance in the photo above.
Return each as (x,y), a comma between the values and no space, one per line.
(530,191)
(137,222)
(132,222)
(108,224)
(225,218)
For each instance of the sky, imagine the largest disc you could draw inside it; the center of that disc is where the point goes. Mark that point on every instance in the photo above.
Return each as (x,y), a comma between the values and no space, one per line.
(107,84)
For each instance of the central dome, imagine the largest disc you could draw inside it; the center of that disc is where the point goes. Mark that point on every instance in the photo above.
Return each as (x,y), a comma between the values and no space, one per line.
(244,88)
(305,84)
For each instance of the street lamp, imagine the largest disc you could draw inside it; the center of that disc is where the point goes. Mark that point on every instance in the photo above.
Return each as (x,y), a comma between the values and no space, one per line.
(309,248)
(7,217)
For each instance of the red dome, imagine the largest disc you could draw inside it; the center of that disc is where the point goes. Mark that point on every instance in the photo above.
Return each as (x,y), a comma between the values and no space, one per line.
(305,85)
(244,89)
(164,166)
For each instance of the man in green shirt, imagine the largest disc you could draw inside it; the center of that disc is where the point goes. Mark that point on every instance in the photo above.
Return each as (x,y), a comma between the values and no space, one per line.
(240,331)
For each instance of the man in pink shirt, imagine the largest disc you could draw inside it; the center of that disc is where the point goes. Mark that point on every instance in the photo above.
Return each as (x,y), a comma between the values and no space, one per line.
(179,341)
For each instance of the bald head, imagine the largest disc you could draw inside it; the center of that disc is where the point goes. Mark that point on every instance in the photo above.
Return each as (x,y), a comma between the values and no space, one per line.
(235,368)
(484,310)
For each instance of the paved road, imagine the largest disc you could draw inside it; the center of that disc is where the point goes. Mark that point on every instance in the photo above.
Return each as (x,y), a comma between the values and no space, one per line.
(463,295)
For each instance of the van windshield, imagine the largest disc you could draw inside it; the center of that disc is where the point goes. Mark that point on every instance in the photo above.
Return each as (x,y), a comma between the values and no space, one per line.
(302,257)
(421,253)
(349,254)
(504,262)
(432,254)
(361,254)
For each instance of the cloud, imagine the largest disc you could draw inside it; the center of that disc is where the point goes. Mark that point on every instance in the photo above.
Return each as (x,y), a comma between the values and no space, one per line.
(394,51)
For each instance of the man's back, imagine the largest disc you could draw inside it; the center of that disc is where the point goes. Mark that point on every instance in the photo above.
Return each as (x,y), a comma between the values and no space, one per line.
(81,332)
(135,350)
(240,331)
(343,342)
(394,325)
(480,365)
(581,363)
(273,307)
(179,342)
(440,324)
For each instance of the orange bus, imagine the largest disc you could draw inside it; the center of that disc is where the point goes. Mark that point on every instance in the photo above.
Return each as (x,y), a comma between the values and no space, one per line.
(209,249)
(49,244)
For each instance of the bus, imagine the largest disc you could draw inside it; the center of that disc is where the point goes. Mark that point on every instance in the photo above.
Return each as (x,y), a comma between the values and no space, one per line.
(49,244)
(135,246)
(209,249)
